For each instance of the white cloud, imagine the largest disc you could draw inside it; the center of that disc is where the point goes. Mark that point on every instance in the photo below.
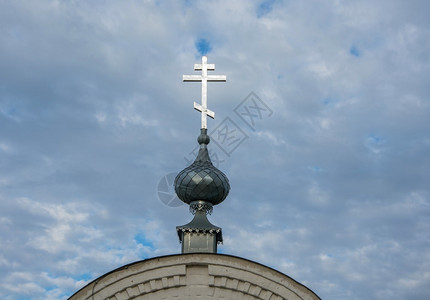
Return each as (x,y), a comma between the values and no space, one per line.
(331,189)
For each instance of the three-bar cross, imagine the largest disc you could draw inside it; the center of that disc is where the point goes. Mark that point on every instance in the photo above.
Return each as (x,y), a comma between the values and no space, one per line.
(204,78)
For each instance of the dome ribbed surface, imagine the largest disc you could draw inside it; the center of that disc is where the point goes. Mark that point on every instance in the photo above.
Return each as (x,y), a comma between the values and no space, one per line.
(201,180)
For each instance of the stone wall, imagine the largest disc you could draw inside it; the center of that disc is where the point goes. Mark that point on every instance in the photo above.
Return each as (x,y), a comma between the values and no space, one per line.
(194,276)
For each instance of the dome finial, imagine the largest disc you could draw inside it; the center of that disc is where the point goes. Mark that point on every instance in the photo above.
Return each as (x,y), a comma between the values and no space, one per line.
(201,185)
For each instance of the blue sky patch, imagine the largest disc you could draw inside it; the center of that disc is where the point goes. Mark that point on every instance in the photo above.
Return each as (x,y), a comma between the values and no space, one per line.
(329,101)
(264,8)
(315,169)
(354,51)
(83,277)
(203,46)
(375,139)
(140,238)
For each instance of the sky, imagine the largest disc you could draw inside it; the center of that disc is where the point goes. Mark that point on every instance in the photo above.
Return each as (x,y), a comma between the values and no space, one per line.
(322,128)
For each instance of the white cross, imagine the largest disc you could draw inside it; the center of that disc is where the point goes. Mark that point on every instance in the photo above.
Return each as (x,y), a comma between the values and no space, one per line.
(204,78)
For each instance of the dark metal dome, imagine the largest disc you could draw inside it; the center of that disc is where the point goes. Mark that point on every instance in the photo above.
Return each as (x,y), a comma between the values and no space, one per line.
(201,181)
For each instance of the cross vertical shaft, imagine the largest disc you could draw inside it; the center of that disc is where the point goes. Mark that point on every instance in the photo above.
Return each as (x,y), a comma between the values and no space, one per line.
(204,78)
(204,91)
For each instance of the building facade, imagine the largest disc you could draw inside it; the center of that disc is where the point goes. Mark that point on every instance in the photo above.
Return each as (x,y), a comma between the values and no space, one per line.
(195,276)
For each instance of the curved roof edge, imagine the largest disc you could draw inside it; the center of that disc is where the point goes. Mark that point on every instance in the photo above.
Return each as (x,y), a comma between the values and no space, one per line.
(223,271)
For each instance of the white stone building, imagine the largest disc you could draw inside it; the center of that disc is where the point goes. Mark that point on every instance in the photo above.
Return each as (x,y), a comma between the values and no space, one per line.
(195,276)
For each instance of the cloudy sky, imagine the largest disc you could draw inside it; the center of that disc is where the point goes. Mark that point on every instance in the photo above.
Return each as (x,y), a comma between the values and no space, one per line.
(323,128)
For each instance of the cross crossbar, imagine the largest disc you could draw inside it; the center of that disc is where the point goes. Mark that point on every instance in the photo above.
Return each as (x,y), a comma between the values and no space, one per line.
(204,78)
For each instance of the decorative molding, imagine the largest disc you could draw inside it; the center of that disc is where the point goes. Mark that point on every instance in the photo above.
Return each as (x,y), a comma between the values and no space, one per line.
(201,206)
(195,276)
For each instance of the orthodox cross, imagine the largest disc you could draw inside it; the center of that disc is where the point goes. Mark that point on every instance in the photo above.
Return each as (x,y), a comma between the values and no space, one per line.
(204,78)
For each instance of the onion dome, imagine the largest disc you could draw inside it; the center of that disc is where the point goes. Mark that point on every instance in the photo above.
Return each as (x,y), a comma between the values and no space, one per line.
(201,181)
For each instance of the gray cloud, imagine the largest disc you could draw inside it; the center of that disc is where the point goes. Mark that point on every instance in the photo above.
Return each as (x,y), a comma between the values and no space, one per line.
(331,189)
